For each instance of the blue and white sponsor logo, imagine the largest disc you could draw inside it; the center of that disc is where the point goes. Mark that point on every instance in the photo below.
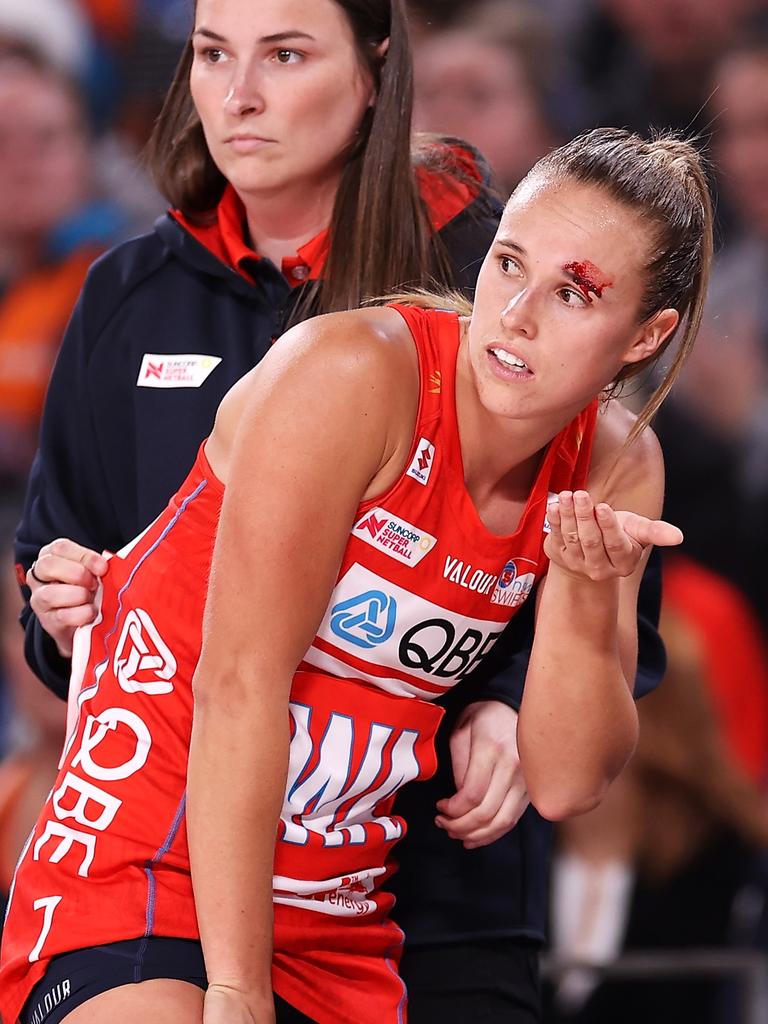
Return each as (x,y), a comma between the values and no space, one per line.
(398,630)
(367,620)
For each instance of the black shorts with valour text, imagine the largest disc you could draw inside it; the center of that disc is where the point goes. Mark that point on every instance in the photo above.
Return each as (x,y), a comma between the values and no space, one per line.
(74,978)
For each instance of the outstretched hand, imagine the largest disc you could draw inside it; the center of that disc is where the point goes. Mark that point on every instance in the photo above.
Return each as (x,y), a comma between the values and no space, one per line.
(598,543)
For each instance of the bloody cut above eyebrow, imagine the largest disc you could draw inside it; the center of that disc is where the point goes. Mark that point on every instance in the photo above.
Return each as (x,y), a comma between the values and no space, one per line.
(588,277)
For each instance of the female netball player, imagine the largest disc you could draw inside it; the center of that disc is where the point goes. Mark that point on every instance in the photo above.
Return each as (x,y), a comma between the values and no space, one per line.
(408,456)
(333,209)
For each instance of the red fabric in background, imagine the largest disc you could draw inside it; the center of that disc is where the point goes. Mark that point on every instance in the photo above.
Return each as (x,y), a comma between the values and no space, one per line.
(737,660)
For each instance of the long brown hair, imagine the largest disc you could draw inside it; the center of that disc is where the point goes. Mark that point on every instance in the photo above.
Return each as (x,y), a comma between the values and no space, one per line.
(380,238)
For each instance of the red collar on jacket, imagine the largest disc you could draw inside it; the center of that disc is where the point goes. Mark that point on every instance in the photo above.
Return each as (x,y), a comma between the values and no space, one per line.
(225,235)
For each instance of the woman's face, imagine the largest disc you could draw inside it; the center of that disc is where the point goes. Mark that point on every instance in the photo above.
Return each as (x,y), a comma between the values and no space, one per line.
(280,91)
(741,119)
(44,156)
(473,89)
(557,305)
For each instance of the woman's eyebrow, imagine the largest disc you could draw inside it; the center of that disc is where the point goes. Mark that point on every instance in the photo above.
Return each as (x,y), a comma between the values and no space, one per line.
(277,37)
(209,34)
(281,37)
(509,244)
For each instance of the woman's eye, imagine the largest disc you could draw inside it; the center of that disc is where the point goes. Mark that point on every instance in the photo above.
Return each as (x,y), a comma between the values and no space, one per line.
(213,55)
(287,56)
(508,265)
(571,297)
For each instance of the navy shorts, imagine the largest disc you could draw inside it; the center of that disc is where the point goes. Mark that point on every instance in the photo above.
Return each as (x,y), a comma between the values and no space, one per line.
(74,978)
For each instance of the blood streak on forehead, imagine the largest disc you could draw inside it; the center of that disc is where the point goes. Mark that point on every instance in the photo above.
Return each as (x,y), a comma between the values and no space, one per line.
(588,277)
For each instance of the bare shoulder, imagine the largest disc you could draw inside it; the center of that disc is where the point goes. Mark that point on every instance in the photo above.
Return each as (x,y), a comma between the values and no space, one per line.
(375,338)
(619,469)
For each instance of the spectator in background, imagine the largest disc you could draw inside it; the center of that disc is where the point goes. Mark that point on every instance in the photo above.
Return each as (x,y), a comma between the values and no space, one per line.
(484,79)
(145,62)
(429,15)
(49,234)
(57,30)
(722,399)
(649,62)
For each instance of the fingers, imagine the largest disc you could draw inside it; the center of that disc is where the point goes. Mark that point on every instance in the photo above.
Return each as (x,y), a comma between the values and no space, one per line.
(511,811)
(64,580)
(620,551)
(598,543)
(474,788)
(498,811)
(64,561)
(60,595)
(650,531)
(480,813)
(69,619)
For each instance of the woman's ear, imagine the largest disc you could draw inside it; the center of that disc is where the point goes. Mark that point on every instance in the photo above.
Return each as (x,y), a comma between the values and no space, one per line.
(652,336)
(381,52)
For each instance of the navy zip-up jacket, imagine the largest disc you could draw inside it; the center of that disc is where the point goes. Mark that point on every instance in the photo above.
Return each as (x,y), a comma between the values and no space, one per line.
(112,453)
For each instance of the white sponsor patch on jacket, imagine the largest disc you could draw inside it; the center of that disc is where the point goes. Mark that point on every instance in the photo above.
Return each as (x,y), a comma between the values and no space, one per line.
(175,371)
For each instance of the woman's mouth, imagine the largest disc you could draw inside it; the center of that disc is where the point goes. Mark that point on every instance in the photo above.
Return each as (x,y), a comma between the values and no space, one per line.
(508,365)
(248,143)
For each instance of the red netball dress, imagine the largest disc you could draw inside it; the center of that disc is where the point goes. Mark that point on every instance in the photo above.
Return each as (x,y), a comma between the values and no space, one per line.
(423,593)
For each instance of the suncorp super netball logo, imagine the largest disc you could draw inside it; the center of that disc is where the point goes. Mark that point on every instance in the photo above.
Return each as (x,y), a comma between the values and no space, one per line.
(394,536)
(514,586)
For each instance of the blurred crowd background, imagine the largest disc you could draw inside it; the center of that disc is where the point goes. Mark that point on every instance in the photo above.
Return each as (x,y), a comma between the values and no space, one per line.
(677,856)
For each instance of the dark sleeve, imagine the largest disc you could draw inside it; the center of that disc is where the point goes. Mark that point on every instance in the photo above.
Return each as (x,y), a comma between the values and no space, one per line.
(67,495)
(502,677)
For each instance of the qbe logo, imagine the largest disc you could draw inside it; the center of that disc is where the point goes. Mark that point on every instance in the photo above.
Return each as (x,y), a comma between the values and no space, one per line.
(401,631)
(143,662)
(365,621)
(421,465)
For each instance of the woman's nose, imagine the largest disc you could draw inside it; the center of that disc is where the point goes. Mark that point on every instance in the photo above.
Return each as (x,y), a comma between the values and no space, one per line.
(518,316)
(244,95)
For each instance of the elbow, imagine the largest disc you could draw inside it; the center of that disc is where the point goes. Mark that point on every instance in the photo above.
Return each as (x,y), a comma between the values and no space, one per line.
(237,687)
(578,789)
(560,805)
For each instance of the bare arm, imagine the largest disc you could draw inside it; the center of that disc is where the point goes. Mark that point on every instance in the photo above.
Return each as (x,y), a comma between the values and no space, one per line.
(578,722)
(313,435)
